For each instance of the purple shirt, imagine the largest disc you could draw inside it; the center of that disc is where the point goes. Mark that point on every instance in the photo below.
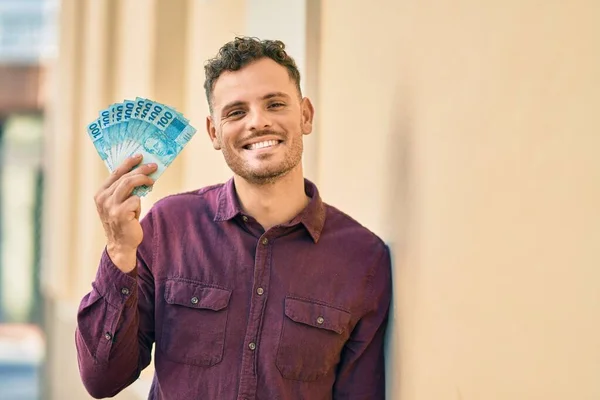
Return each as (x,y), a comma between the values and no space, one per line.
(296,312)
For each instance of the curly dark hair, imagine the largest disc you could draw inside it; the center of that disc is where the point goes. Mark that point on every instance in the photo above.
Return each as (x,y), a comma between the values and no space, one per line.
(240,52)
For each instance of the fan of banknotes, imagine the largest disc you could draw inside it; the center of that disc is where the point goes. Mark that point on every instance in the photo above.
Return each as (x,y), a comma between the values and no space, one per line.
(143,126)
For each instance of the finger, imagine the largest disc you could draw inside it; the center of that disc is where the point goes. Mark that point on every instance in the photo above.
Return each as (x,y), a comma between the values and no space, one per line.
(121,170)
(132,205)
(145,169)
(127,184)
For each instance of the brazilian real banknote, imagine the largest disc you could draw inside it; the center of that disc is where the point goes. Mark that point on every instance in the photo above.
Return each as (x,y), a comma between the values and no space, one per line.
(140,126)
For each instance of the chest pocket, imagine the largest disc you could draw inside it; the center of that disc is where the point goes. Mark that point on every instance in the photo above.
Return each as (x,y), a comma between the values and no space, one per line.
(194,322)
(312,338)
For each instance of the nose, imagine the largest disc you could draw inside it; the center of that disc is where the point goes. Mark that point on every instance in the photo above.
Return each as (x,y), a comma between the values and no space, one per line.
(259,120)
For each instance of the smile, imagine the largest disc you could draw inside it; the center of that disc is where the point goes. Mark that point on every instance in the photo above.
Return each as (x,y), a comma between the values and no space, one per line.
(262,145)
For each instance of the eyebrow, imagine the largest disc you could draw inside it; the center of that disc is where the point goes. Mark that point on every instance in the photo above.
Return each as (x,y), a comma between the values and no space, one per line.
(267,96)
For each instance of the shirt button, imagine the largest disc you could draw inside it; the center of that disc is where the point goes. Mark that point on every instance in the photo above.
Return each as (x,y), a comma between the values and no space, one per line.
(265,241)
(252,346)
(194,300)
(320,320)
(245,218)
(260,291)
(125,291)
(107,336)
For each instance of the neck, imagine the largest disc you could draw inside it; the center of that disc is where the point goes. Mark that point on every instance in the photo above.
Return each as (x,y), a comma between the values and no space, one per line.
(273,203)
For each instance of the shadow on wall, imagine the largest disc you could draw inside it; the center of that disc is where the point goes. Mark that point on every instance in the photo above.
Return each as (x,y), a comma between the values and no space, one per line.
(398,211)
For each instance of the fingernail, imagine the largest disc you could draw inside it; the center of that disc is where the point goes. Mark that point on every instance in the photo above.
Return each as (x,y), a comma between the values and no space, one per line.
(152,165)
(136,156)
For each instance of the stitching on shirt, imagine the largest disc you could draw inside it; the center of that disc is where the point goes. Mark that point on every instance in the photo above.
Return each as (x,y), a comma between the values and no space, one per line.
(195,282)
(195,192)
(154,244)
(220,207)
(319,302)
(370,278)
(210,188)
(102,351)
(289,230)
(336,211)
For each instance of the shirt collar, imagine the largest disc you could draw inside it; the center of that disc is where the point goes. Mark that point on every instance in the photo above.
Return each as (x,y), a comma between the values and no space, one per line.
(312,217)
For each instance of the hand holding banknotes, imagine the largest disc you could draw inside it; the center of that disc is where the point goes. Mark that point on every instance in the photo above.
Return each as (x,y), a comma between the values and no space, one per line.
(119,210)
(150,128)
(125,135)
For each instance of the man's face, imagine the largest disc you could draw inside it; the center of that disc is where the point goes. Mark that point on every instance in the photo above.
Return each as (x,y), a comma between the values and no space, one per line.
(258,121)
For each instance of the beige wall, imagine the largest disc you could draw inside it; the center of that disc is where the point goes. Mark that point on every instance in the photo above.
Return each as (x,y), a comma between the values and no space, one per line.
(460,131)
(473,147)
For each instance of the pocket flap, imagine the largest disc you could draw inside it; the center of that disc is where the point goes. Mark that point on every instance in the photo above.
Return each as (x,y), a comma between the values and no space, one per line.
(317,315)
(196,295)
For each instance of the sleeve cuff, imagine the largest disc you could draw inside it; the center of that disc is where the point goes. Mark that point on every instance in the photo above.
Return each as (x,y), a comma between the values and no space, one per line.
(117,288)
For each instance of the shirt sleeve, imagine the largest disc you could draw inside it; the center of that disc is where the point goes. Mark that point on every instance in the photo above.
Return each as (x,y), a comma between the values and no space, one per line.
(115,322)
(361,372)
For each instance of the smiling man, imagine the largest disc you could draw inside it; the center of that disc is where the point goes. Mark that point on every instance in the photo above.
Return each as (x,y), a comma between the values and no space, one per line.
(251,289)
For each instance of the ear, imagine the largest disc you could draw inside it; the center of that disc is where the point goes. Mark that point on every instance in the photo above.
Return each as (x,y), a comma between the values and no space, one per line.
(308,113)
(212,133)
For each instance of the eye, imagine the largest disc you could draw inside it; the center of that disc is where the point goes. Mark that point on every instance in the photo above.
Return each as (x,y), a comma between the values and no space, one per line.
(235,113)
(276,105)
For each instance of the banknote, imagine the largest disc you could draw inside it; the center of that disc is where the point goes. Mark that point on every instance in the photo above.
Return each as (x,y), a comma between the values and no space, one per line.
(100,143)
(165,136)
(104,121)
(128,106)
(140,126)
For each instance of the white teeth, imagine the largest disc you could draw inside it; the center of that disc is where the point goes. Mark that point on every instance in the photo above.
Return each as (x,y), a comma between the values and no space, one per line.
(260,145)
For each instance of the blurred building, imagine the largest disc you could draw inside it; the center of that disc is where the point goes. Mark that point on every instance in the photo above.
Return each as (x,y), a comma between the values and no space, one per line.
(27,41)
(463,132)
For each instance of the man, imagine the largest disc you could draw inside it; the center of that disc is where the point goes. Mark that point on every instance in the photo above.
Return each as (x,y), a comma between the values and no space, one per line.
(252,289)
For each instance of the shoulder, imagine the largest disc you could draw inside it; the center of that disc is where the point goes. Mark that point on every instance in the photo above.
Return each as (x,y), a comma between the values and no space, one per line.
(205,198)
(351,235)
(365,256)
